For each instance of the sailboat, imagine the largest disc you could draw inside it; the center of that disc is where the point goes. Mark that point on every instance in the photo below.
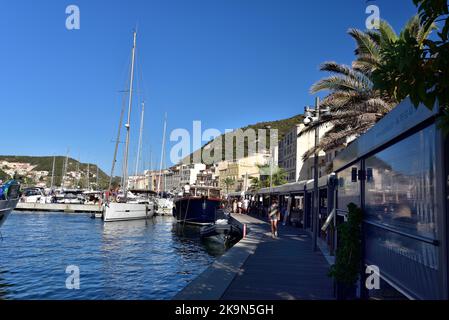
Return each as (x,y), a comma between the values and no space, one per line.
(126,207)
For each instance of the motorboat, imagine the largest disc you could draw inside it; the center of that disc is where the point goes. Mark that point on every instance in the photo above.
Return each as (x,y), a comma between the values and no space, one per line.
(198,205)
(35,195)
(70,196)
(9,197)
(164,206)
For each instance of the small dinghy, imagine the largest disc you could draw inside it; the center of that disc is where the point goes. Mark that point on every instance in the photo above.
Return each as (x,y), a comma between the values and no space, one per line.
(222,231)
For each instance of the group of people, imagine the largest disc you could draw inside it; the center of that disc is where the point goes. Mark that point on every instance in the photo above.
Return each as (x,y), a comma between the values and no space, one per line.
(240,206)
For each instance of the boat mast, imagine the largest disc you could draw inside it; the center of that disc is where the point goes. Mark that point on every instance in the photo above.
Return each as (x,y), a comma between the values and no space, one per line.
(162,154)
(53,173)
(88,174)
(117,141)
(64,168)
(127,125)
(78,173)
(139,147)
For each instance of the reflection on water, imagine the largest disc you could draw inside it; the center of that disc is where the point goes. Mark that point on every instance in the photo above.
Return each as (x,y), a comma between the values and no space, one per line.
(188,233)
(151,259)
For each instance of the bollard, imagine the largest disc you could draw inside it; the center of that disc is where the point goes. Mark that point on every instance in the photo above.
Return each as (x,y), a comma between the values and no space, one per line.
(244,231)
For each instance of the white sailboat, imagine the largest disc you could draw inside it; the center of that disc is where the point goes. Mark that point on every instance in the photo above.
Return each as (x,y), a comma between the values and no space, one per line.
(127,208)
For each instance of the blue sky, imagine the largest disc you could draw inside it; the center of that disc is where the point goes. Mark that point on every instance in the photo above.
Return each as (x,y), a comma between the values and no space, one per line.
(228,63)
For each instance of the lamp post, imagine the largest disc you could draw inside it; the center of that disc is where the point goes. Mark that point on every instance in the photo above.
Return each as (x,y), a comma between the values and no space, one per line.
(313,116)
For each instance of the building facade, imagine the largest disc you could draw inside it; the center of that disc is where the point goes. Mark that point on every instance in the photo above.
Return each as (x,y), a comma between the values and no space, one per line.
(292,149)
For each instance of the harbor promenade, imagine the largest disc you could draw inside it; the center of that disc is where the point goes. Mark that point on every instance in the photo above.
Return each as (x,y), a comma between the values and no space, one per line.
(262,268)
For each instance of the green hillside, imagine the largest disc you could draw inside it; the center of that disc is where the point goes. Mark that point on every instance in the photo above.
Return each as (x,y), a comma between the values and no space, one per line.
(46,164)
(283,126)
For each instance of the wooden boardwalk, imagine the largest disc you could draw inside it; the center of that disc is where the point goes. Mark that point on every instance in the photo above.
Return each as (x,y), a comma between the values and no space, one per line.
(281,269)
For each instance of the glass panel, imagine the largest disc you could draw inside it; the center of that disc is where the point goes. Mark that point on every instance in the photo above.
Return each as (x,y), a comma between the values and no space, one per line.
(348,191)
(400,186)
(410,264)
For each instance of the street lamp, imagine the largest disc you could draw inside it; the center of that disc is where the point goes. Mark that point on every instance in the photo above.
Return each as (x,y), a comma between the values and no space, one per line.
(312,116)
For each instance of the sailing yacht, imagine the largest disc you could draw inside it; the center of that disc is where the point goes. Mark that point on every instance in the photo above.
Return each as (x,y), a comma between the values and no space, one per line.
(127,208)
(9,197)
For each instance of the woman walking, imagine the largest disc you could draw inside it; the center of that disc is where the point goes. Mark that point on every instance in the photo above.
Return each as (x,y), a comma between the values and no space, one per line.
(274,216)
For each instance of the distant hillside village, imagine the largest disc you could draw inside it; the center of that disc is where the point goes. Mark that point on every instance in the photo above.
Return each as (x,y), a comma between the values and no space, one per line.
(46,172)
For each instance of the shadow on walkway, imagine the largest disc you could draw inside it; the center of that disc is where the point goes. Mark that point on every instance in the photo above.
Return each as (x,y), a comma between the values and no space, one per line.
(285,268)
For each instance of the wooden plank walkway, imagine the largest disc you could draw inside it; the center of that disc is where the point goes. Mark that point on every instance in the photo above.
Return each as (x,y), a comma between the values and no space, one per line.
(281,269)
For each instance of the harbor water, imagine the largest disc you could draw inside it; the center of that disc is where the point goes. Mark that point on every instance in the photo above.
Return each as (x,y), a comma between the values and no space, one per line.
(144,259)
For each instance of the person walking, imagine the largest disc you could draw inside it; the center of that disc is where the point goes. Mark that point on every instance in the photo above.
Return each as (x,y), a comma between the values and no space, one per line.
(274,216)
(239,204)
(245,206)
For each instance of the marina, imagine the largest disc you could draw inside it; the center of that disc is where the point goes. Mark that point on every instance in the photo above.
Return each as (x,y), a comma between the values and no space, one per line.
(215,157)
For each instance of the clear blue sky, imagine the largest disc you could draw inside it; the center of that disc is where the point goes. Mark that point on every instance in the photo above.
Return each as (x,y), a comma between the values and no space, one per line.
(228,63)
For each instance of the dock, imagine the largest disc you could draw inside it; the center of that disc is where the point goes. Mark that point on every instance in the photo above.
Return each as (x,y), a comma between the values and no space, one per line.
(59,207)
(262,268)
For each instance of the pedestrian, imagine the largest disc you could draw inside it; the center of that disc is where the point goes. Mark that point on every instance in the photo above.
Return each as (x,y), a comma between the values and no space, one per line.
(245,205)
(239,204)
(234,206)
(274,217)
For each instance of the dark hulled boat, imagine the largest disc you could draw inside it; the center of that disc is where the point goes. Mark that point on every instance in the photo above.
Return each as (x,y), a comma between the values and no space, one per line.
(198,205)
(9,197)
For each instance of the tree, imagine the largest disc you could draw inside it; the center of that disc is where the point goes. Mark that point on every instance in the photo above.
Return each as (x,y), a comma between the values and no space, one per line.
(419,69)
(279,177)
(256,183)
(275,174)
(354,102)
(4,176)
(228,181)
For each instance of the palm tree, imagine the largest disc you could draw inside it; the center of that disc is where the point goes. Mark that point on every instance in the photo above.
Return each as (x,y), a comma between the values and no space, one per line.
(256,183)
(228,182)
(279,177)
(354,104)
(371,43)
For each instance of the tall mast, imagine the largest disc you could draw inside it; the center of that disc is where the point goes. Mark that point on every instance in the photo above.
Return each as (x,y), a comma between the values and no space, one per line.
(127,125)
(78,172)
(88,174)
(162,154)
(53,173)
(97,178)
(117,141)
(64,168)
(139,147)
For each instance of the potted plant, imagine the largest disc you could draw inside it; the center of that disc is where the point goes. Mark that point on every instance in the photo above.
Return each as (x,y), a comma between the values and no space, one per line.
(346,269)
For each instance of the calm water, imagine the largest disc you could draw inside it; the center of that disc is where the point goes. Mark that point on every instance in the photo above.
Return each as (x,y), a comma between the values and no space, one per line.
(122,260)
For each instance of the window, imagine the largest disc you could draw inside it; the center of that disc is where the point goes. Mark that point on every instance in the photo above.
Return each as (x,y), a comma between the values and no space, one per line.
(400,191)
(348,191)
(401,214)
